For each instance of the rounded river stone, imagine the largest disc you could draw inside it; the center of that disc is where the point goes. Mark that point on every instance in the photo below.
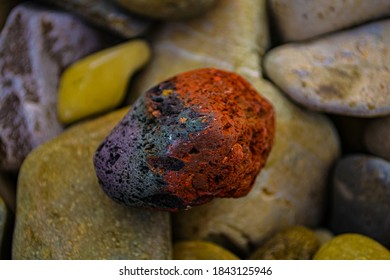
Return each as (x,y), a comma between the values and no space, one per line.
(352,247)
(199,135)
(361,195)
(295,243)
(200,250)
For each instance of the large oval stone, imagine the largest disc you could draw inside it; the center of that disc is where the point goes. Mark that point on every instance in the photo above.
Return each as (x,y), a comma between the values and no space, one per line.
(199,135)
(344,73)
(62,212)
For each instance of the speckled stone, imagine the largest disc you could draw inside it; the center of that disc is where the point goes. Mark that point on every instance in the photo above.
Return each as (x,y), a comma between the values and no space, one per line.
(200,250)
(377,137)
(345,73)
(295,243)
(303,19)
(63,214)
(167,9)
(290,188)
(35,46)
(352,247)
(105,14)
(360,197)
(197,136)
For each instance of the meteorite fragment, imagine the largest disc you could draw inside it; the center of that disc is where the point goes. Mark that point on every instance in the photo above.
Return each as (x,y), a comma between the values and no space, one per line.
(199,135)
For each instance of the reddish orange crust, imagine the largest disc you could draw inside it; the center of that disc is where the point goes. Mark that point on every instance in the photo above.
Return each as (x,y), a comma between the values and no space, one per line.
(226,156)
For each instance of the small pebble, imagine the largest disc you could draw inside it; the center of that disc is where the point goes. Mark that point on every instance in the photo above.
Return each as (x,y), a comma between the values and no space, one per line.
(304,19)
(360,197)
(352,247)
(345,73)
(377,137)
(199,135)
(200,250)
(98,83)
(105,14)
(294,243)
(167,9)
(35,46)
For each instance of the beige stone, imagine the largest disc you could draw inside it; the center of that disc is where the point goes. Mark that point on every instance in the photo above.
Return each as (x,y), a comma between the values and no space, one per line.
(290,188)
(346,73)
(303,19)
(62,213)
(167,9)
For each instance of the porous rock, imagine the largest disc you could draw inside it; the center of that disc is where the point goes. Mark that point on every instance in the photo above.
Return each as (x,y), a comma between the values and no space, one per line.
(202,134)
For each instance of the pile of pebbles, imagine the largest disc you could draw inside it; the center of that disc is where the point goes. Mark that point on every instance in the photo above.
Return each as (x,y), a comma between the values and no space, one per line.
(66,67)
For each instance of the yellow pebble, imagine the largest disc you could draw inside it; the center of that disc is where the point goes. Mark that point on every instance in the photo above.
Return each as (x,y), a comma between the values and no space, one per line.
(98,82)
(352,246)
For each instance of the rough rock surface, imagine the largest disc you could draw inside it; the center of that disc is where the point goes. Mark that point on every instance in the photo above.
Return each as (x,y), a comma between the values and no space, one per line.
(35,46)
(346,73)
(202,134)
(291,186)
(360,197)
(303,19)
(62,212)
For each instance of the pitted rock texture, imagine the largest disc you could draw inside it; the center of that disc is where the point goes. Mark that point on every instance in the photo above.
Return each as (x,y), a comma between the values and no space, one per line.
(199,135)
(35,46)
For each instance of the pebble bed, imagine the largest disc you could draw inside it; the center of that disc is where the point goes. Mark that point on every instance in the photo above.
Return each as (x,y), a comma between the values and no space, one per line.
(70,71)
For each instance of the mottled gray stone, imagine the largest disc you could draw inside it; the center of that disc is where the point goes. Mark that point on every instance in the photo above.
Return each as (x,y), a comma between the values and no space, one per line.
(361,195)
(377,137)
(290,189)
(303,19)
(346,73)
(35,46)
(105,14)
(62,212)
